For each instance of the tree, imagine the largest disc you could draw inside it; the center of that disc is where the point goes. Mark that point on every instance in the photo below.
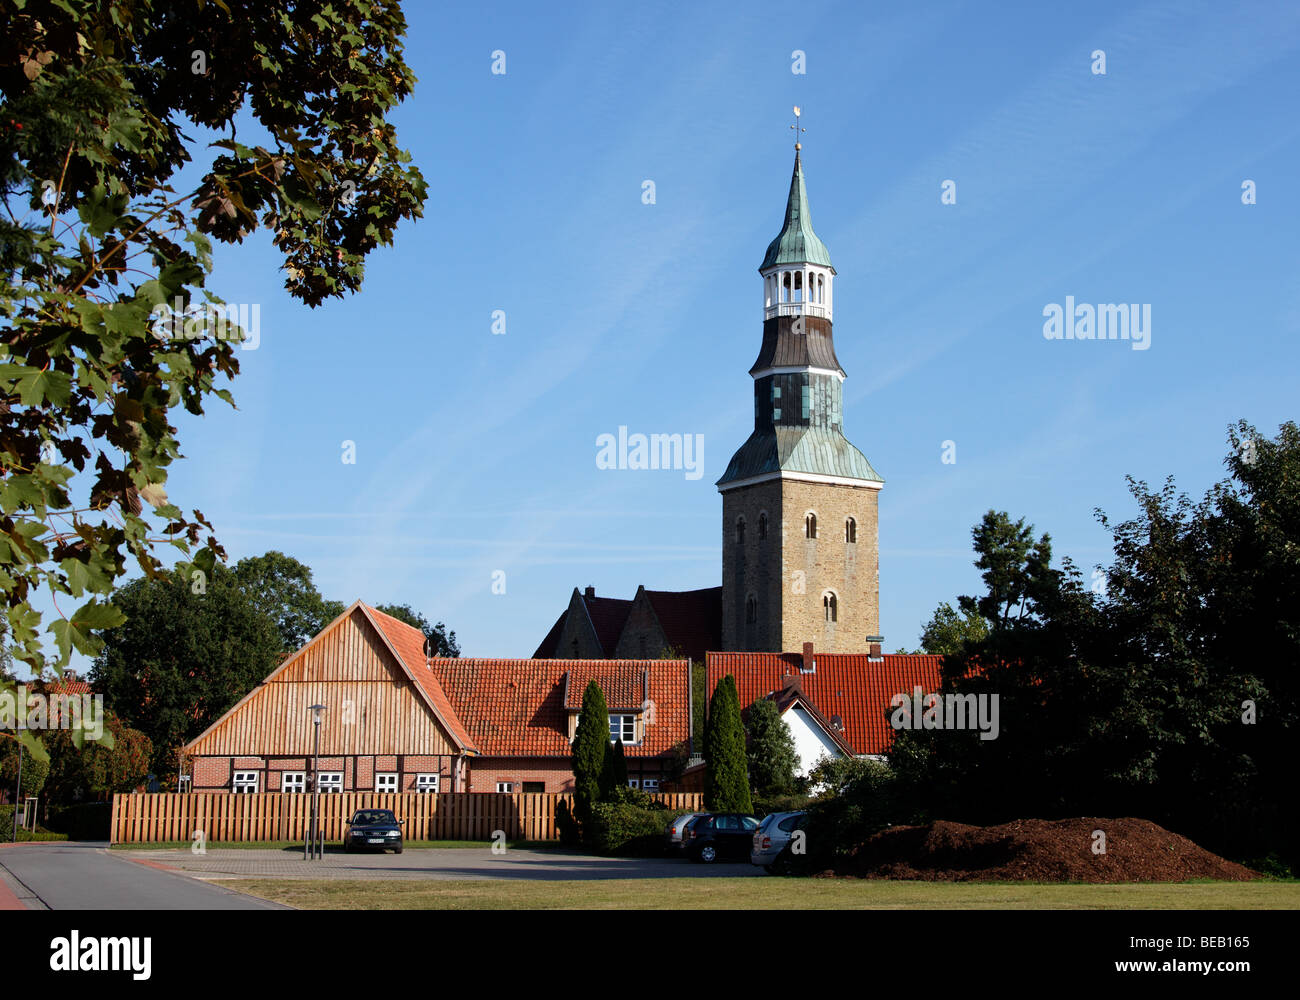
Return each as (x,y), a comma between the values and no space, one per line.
(97,768)
(35,769)
(181,658)
(590,747)
(614,774)
(1166,688)
(948,631)
(1016,570)
(442,642)
(108,324)
(282,587)
(726,783)
(771,750)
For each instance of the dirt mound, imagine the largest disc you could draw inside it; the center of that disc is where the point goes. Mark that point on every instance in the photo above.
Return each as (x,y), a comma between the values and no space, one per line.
(1036,850)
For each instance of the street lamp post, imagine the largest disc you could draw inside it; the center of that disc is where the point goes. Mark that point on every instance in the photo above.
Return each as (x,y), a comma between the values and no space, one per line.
(18,791)
(313,834)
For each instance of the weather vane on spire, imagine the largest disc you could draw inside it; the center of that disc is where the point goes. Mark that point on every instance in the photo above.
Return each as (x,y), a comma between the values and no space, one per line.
(797,128)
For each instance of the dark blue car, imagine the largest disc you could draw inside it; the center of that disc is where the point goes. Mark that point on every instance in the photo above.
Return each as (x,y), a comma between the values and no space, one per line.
(373,830)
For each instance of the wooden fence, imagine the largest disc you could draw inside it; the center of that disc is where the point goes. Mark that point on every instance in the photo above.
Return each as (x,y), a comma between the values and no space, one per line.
(148,817)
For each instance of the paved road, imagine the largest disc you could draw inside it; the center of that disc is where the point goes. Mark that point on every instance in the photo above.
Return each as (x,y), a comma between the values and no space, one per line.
(432,863)
(87,876)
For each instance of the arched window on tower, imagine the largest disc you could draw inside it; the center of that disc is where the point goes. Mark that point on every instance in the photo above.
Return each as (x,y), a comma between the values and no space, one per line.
(751,610)
(785,286)
(798,287)
(762,526)
(821,290)
(740,531)
(830,606)
(810,525)
(850,531)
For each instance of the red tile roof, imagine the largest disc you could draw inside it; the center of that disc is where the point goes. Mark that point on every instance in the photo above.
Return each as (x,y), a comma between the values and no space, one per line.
(848,685)
(514,708)
(624,683)
(408,642)
(691,619)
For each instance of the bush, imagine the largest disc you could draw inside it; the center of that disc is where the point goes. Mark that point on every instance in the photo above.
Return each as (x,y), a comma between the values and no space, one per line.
(86,821)
(780,804)
(837,825)
(626,830)
(7,829)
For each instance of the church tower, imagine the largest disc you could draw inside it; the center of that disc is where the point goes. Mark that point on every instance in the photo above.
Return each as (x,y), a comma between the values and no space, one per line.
(800,555)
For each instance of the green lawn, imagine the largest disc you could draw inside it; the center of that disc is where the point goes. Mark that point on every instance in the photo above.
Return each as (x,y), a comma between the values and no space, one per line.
(270,845)
(757,894)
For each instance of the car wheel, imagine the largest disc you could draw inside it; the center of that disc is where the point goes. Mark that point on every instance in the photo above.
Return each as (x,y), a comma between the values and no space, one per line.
(770,869)
(347,847)
(399,849)
(708,854)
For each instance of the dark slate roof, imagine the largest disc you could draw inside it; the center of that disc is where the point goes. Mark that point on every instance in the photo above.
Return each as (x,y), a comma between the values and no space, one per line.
(796,243)
(782,346)
(607,614)
(813,450)
(547,649)
(691,619)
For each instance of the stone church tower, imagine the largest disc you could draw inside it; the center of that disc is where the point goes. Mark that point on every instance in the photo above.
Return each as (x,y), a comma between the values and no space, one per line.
(800,556)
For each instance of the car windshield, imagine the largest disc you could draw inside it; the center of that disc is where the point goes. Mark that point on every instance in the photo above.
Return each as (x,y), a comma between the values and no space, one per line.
(369,817)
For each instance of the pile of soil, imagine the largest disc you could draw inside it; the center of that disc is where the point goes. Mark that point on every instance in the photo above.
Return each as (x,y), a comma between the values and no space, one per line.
(1036,850)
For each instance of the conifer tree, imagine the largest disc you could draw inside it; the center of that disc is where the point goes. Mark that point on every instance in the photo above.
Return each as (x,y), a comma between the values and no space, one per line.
(726,780)
(590,748)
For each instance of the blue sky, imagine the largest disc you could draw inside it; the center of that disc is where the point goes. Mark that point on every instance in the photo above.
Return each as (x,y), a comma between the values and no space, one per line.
(476,452)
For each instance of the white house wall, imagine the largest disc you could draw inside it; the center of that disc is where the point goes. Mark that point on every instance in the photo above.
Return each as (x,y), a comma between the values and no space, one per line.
(810,742)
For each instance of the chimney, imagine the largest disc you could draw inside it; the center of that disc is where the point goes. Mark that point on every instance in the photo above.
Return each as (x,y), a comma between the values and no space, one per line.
(809,664)
(874,643)
(589,593)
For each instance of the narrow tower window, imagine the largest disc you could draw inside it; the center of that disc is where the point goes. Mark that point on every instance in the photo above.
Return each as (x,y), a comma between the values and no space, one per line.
(810,526)
(850,531)
(762,526)
(740,531)
(830,605)
(751,610)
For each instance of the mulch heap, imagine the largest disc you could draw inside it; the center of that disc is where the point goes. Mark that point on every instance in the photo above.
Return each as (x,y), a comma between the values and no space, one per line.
(1036,850)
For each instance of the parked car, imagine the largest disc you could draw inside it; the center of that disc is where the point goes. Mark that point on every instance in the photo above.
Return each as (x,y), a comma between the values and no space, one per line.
(720,835)
(772,838)
(373,829)
(675,832)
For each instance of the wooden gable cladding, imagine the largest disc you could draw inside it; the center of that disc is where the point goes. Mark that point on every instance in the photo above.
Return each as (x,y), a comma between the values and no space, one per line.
(372,706)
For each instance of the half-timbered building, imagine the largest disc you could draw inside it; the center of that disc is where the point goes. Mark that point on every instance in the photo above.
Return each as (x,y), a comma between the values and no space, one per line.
(394,719)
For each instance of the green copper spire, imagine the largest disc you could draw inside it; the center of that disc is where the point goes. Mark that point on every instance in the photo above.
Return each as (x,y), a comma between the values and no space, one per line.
(797,243)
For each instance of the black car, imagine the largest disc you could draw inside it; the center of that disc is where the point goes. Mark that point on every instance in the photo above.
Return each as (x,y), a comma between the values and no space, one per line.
(720,835)
(374,830)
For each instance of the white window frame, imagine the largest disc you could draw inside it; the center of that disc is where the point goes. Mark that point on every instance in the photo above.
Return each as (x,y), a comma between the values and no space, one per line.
(245,782)
(184,784)
(299,781)
(330,781)
(382,778)
(650,785)
(427,782)
(505,786)
(633,783)
(626,731)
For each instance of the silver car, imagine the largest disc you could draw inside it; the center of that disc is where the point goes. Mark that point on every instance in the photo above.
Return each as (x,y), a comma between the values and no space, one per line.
(674,833)
(772,835)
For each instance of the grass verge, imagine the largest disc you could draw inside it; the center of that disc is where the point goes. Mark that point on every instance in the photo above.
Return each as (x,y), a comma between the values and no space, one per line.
(760,894)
